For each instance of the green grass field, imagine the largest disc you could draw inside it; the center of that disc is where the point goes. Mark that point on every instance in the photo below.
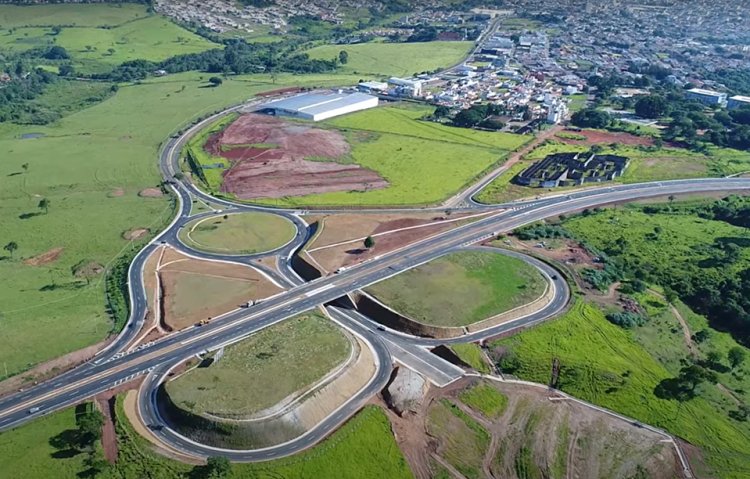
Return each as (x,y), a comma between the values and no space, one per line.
(86,15)
(364,447)
(243,233)
(97,37)
(682,238)
(471,354)
(465,439)
(461,288)
(395,59)
(78,164)
(260,371)
(603,364)
(400,147)
(485,399)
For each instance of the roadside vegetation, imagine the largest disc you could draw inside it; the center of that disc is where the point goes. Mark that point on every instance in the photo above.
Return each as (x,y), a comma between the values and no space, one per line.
(263,369)
(238,233)
(363,447)
(602,363)
(461,288)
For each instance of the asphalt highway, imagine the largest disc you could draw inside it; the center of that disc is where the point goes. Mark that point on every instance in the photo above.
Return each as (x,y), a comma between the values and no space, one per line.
(116,364)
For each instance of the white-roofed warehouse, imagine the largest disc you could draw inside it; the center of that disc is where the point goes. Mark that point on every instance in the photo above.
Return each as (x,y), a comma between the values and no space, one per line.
(321,106)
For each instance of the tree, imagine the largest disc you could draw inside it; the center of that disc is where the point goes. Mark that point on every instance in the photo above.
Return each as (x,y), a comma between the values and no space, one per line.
(369,242)
(67,70)
(57,53)
(44,204)
(736,356)
(441,112)
(215,81)
(591,118)
(11,247)
(218,467)
(652,106)
(343,57)
(468,118)
(25,167)
(111,51)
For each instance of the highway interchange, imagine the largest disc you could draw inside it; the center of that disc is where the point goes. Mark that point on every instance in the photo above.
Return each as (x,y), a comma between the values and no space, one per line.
(121,361)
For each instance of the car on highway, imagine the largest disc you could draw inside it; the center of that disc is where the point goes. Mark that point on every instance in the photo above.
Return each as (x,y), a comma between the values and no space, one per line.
(34,409)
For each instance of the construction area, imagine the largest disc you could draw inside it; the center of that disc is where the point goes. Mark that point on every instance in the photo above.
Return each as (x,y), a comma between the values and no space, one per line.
(572,169)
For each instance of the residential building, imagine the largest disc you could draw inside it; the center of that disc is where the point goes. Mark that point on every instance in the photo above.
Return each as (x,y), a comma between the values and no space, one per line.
(738,102)
(707,97)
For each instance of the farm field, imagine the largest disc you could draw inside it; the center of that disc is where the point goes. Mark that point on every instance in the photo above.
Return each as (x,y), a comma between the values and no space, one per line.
(461,288)
(260,371)
(238,233)
(46,311)
(98,37)
(603,363)
(191,290)
(363,447)
(647,164)
(393,142)
(395,59)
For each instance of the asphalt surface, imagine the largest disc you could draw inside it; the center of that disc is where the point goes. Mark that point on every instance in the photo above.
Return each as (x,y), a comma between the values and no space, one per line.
(116,364)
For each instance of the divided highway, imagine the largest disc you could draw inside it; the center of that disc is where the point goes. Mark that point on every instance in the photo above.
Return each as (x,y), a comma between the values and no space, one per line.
(116,365)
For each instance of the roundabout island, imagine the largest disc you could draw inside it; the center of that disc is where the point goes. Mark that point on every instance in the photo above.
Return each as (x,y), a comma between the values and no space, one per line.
(206,389)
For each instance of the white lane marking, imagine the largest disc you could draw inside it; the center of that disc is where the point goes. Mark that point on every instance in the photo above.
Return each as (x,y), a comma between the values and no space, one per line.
(314,292)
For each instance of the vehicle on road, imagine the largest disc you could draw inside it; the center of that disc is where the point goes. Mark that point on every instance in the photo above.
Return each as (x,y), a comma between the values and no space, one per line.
(34,409)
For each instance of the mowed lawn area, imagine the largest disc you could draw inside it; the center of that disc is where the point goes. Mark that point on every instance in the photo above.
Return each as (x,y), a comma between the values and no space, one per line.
(239,233)
(461,288)
(395,59)
(260,371)
(602,363)
(363,447)
(101,36)
(394,142)
(90,166)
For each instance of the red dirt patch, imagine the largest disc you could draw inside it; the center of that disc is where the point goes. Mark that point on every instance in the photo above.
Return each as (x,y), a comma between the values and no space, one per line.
(109,436)
(599,137)
(150,193)
(135,234)
(117,192)
(44,258)
(281,169)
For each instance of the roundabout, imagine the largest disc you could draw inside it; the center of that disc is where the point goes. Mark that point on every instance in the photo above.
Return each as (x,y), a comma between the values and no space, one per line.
(126,359)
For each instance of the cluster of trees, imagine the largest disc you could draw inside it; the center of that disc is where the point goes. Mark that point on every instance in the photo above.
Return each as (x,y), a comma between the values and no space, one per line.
(477,116)
(626,319)
(238,57)
(591,118)
(24,86)
(541,231)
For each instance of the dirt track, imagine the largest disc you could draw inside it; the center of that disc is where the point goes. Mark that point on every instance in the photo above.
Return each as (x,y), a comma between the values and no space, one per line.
(269,159)
(604,137)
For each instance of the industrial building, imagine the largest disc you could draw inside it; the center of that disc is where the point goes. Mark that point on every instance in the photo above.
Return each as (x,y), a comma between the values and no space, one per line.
(572,169)
(738,102)
(320,106)
(707,97)
(406,87)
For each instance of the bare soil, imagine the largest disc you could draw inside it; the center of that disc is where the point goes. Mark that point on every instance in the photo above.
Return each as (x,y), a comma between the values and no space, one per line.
(105,403)
(165,276)
(135,234)
(269,159)
(89,270)
(151,193)
(604,137)
(537,430)
(45,258)
(116,193)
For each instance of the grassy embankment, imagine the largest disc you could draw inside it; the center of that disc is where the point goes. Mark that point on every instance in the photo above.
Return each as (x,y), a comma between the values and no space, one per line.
(647,164)
(243,233)
(97,37)
(461,288)
(395,59)
(604,364)
(394,142)
(364,447)
(90,166)
(260,371)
